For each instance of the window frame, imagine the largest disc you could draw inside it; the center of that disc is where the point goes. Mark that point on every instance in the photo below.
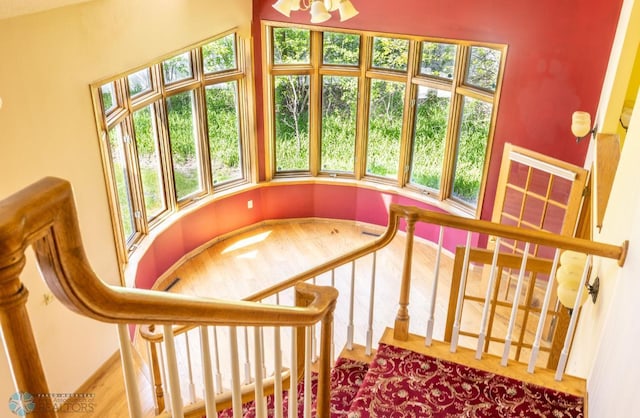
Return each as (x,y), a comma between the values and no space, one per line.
(156,98)
(412,78)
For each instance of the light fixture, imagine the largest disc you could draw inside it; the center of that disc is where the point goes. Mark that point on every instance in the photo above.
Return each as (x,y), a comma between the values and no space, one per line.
(570,275)
(625,115)
(319,9)
(581,125)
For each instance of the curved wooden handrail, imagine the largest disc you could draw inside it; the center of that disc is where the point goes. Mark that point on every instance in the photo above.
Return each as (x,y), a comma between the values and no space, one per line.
(44,216)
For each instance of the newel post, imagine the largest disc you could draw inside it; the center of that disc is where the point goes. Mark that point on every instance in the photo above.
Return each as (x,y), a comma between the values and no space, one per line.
(24,361)
(401,326)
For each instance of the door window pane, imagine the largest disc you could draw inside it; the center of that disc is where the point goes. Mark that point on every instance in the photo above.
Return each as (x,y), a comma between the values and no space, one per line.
(340,48)
(139,82)
(385,128)
(184,148)
(144,125)
(291,46)
(390,53)
(121,178)
(471,149)
(484,65)
(292,122)
(220,55)
(432,115)
(177,68)
(339,110)
(224,131)
(438,60)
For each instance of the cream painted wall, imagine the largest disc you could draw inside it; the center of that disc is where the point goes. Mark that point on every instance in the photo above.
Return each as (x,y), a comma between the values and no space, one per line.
(47,128)
(614,381)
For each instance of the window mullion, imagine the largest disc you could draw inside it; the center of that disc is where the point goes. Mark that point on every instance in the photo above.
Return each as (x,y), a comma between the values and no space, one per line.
(409,114)
(135,180)
(455,116)
(315,104)
(366,49)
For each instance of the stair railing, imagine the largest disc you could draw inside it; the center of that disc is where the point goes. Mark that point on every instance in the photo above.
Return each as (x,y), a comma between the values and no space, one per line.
(43,216)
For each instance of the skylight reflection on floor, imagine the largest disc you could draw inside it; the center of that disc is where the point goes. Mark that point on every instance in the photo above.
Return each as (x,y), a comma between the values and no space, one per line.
(246,242)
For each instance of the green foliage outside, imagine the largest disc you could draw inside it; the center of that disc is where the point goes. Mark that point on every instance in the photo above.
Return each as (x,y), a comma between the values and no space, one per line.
(339,110)
(385,127)
(149,161)
(224,131)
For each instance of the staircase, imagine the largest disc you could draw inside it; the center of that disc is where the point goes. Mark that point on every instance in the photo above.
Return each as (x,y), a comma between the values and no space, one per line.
(249,352)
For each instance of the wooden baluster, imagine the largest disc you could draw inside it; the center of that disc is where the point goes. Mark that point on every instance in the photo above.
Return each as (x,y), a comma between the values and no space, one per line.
(401,327)
(163,371)
(129,372)
(564,355)
(155,373)
(463,285)
(177,410)
(19,342)
(352,296)
(307,371)
(487,300)
(207,371)
(543,313)
(434,291)
(514,307)
(372,292)
(323,399)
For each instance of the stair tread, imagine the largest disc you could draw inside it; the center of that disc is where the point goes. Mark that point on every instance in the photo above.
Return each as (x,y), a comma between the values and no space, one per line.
(415,384)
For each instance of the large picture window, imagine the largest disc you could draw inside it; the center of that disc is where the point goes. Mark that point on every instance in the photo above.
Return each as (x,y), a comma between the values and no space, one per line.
(173,132)
(417,113)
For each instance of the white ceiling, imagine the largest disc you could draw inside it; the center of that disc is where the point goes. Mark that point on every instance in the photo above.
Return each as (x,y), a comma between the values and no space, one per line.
(12,8)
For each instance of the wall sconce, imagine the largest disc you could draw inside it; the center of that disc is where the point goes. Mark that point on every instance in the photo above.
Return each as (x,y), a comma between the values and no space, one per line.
(625,115)
(569,276)
(581,125)
(319,9)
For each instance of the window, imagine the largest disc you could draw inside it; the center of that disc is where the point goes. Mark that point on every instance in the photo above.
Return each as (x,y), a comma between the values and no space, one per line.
(173,132)
(416,113)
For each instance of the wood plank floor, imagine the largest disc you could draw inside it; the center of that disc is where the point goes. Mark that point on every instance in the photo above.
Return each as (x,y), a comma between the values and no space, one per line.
(259,257)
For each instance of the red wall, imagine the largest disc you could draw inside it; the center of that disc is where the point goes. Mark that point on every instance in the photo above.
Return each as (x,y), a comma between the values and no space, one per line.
(220,217)
(557,56)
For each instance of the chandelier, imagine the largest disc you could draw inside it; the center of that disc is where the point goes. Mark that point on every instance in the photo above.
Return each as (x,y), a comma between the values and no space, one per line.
(319,9)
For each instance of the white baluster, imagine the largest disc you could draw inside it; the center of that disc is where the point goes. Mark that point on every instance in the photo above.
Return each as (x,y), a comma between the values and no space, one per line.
(172,373)
(333,343)
(564,354)
(314,342)
(372,292)
(307,372)
(514,308)
(543,313)
(192,386)
(128,369)
(487,300)
(247,362)
(165,379)
(351,304)
(236,392)
(463,284)
(217,374)
(293,389)
(434,291)
(261,407)
(277,372)
(207,370)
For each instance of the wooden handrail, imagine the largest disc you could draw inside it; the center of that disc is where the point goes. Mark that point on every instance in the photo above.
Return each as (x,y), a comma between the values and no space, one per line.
(43,215)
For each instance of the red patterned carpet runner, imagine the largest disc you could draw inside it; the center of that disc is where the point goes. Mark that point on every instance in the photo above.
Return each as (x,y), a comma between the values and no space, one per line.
(402,383)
